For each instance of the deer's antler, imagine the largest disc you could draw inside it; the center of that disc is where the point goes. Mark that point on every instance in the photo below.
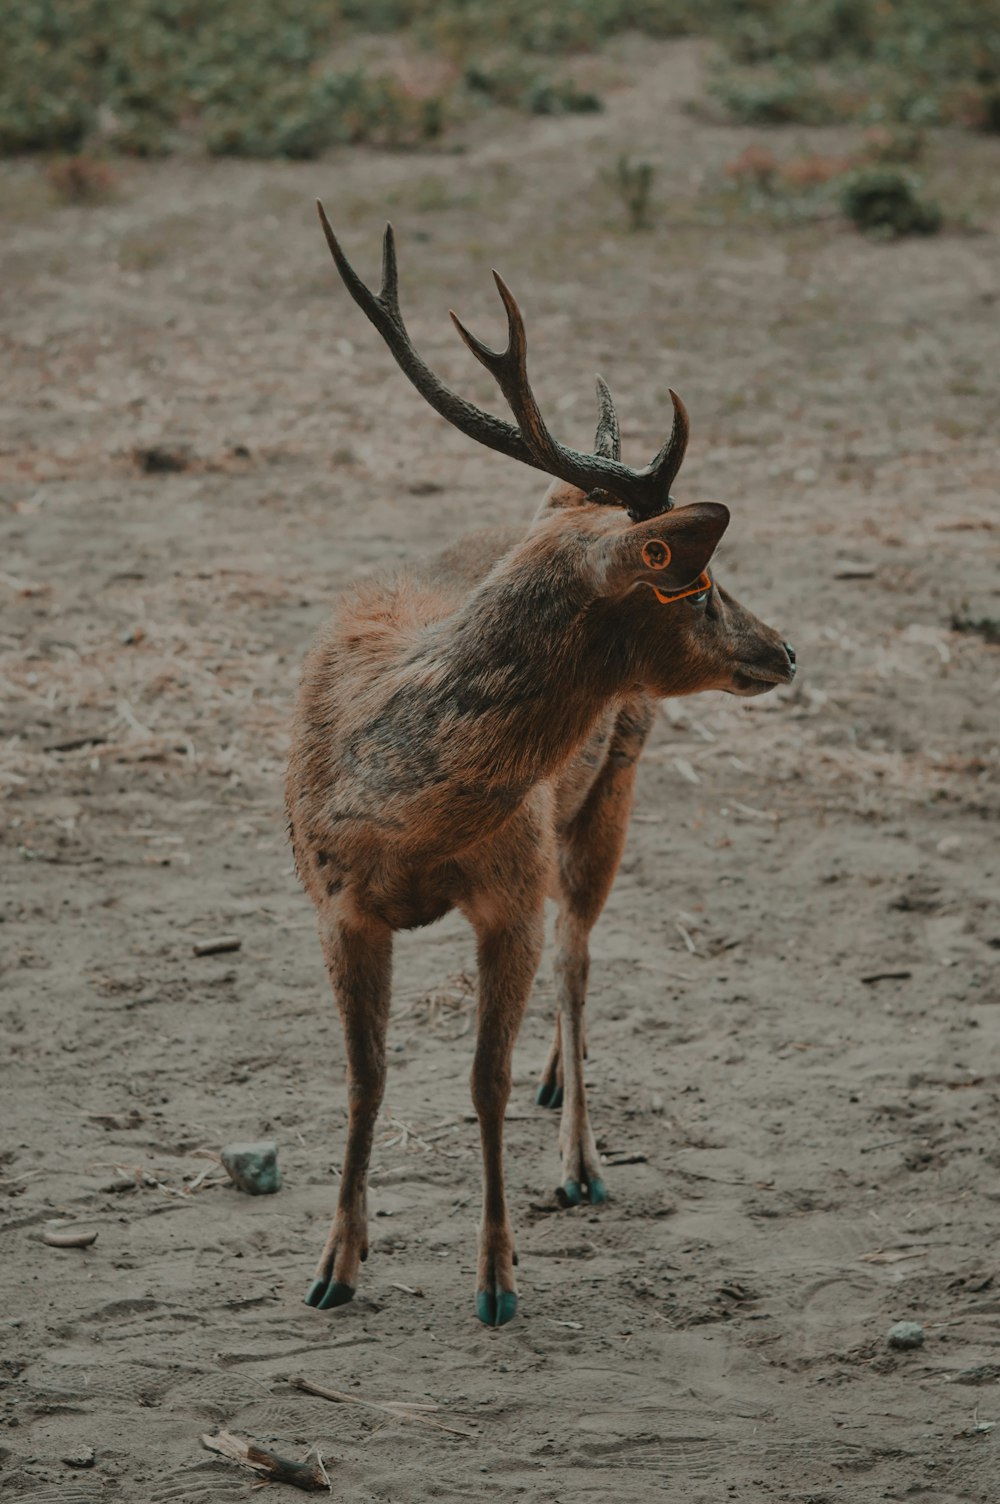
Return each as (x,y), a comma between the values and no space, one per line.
(645,493)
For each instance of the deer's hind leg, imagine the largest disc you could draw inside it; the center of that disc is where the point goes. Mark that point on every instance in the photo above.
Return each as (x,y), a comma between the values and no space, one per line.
(590,850)
(359,962)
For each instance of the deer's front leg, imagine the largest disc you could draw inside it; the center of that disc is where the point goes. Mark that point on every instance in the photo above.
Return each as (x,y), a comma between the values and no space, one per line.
(508,960)
(359,961)
(590,850)
(581,1176)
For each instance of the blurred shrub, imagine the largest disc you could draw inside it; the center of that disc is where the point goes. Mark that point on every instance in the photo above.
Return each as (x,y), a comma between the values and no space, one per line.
(514,81)
(633,182)
(564,98)
(885,200)
(300,119)
(881,199)
(250,73)
(774,96)
(898,60)
(553,27)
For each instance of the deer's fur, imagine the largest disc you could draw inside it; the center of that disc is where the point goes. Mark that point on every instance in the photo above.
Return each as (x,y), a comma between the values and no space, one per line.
(466,736)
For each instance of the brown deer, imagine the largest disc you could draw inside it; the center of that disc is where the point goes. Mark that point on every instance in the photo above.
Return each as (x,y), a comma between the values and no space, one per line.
(466,736)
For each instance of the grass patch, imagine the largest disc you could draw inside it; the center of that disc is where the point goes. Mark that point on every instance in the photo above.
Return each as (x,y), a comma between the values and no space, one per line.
(869,187)
(986,627)
(271,77)
(886,201)
(810,61)
(633,185)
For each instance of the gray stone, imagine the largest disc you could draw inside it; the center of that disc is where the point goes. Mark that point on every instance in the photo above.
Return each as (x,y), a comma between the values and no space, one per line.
(906,1334)
(253,1167)
(84,1457)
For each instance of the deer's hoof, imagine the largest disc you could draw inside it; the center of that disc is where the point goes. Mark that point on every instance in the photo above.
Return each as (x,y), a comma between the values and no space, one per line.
(549,1094)
(325,1294)
(572,1193)
(496,1308)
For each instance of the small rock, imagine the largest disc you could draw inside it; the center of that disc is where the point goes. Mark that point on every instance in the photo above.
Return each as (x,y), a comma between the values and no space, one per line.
(83,1457)
(906,1334)
(160,459)
(253,1167)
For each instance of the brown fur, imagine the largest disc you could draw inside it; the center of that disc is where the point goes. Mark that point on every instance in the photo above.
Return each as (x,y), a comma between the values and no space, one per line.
(466,736)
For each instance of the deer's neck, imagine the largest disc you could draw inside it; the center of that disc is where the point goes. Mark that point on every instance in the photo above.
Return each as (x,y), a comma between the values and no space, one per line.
(526,667)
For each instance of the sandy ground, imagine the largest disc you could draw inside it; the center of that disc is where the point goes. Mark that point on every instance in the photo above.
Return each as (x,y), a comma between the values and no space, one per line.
(806,1154)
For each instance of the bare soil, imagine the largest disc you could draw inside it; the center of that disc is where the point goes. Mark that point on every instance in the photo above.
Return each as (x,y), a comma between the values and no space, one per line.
(795,1020)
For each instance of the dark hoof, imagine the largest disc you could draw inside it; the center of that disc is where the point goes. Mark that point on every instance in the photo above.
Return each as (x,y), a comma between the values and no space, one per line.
(549,1095)
(324,1296)
(572,1193)
(496,1309)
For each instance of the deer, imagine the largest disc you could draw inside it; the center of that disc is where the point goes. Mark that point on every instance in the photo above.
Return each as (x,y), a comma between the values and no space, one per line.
(466,736)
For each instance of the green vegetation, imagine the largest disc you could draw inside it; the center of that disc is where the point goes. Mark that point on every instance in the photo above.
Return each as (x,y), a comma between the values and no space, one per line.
(869,188)
(916,61)
(633,182)
(886,201)
(986,627)
(251,77)
(261,77)
(292,77)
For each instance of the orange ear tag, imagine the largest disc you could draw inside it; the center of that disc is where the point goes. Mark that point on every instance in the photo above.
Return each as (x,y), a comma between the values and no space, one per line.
(701,584)
(656,553)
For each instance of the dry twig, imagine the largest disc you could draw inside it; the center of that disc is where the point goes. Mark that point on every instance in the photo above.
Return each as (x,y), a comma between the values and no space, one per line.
(401,1409)
(310,1476)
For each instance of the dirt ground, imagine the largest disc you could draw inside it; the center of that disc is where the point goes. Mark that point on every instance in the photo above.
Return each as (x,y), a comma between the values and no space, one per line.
(799,1154)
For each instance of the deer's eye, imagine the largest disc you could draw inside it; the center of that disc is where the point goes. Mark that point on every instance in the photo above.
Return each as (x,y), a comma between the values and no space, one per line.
(700,598)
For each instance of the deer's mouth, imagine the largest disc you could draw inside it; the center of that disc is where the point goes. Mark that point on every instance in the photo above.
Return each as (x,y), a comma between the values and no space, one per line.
(748,682)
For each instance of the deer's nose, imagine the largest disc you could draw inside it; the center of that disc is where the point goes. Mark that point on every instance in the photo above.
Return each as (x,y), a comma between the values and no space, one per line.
(791,654)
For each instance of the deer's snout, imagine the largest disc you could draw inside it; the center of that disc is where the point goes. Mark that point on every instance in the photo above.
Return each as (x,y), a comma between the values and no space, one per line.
(765,662)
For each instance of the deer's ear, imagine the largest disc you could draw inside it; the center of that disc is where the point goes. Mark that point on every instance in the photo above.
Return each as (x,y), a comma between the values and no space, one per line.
(669,551)
(692,535)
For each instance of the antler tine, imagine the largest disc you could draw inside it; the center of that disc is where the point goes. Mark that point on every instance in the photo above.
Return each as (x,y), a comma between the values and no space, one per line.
(510,370)
(389,291)
(665,466)
(608,439)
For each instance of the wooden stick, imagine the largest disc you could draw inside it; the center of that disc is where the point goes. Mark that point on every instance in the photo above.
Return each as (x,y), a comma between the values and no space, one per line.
(310,1476)
(217,946)
(401,1409)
